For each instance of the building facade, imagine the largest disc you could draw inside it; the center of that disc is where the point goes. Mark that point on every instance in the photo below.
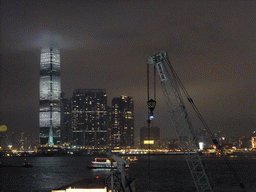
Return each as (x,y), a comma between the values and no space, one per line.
(65,120)
(151,138)
(122,123)
(3,141)
(89,123)
(50,89)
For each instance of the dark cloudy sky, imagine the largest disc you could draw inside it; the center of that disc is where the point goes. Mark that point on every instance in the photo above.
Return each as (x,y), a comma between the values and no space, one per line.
(105,44)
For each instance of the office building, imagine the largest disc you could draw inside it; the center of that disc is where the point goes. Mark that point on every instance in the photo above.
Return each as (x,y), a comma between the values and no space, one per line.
(89,123)
(65,120)
(3,141)
(122,123)
(50,88)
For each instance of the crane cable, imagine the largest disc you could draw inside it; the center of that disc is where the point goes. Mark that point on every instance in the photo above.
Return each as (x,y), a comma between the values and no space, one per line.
(149,120)
(214,140)
(148,82)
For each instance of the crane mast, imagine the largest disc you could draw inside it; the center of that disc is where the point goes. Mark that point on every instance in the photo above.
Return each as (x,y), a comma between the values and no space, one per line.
(180,121)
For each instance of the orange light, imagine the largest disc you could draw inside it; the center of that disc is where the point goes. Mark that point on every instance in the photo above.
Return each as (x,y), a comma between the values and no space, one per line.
(253,142)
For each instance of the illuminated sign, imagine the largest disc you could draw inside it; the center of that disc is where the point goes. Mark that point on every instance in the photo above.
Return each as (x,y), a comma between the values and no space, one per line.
(149,142)
(160,69)
(201,145)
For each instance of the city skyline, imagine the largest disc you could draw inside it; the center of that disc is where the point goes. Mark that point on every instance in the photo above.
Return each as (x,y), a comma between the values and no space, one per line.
(105,45)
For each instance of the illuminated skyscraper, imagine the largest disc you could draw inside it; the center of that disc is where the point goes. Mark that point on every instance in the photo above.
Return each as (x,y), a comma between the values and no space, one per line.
(122,123)
(50,89)
(89,118)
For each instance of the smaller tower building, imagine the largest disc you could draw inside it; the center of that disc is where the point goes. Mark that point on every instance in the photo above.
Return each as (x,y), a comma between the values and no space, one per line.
(122,123)
(150,137)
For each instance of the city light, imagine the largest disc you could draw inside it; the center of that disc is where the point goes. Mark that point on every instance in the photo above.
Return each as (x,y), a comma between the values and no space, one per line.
(201,145)
(81,190)
(253,142)
(149,142)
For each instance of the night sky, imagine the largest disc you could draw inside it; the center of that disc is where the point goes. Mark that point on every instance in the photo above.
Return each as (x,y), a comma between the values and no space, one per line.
(105,45)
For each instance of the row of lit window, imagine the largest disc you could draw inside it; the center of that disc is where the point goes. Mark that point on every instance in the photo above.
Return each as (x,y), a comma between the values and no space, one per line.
(95,96)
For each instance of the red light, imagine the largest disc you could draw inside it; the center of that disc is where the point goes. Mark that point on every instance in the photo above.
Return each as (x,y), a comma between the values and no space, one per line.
(97,177)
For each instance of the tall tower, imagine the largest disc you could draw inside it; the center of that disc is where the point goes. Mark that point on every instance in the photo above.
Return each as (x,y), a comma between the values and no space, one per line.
(50,89)
(122,123)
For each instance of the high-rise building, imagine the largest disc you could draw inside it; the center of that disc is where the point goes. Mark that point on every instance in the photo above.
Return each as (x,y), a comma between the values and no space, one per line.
(14,141)
(50,89)
(65,120)
(22,140)
(3,141)
(122,123)
(90,118)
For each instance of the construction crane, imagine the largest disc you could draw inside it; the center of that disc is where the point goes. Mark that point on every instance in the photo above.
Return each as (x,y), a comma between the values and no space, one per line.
(117,180)
(181,122)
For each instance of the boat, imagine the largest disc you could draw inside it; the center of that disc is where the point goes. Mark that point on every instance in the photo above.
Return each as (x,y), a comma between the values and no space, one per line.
(132,159)
(95,184)
(26,164)
(103,163)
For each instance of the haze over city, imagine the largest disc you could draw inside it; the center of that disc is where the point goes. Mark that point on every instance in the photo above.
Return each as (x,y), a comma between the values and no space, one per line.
(105,45)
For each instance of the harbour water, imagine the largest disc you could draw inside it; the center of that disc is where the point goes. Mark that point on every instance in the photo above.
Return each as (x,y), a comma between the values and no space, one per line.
(167,173)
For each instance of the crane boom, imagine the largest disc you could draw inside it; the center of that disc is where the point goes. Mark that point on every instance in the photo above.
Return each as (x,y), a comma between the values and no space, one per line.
(181,122)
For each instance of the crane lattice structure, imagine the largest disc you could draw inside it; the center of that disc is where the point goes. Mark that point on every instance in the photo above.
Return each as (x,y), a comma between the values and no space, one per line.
(181,122)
